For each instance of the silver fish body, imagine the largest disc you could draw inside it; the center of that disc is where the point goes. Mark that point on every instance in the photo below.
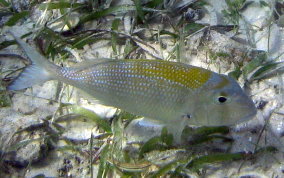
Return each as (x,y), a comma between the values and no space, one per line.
(161,90)
(173,93)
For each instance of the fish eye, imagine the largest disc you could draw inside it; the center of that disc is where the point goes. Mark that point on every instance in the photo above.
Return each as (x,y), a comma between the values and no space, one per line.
(222,99)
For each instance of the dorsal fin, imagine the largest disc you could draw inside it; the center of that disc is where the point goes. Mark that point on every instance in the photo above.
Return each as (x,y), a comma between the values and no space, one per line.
(88,63)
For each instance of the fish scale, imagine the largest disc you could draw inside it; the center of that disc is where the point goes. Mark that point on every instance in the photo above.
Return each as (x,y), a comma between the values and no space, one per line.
(146,82)
(190,77)
(175,94)
(137,75)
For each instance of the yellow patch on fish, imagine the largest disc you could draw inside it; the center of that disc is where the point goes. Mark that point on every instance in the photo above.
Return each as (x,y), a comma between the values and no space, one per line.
(190,77)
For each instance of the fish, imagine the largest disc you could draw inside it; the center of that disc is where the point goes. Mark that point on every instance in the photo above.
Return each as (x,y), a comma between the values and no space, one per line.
(172,93)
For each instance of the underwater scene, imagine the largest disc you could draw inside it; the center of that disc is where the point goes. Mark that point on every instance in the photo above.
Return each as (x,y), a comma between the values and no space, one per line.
(142,88)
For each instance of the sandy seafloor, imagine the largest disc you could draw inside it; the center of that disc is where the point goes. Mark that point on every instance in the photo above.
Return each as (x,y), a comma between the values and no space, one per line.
(32,106)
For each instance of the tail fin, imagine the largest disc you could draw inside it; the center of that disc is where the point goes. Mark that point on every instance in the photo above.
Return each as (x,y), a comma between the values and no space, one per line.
(40,71)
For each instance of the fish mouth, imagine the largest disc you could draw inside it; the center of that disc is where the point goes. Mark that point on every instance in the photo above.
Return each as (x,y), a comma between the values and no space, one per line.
(248,116)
